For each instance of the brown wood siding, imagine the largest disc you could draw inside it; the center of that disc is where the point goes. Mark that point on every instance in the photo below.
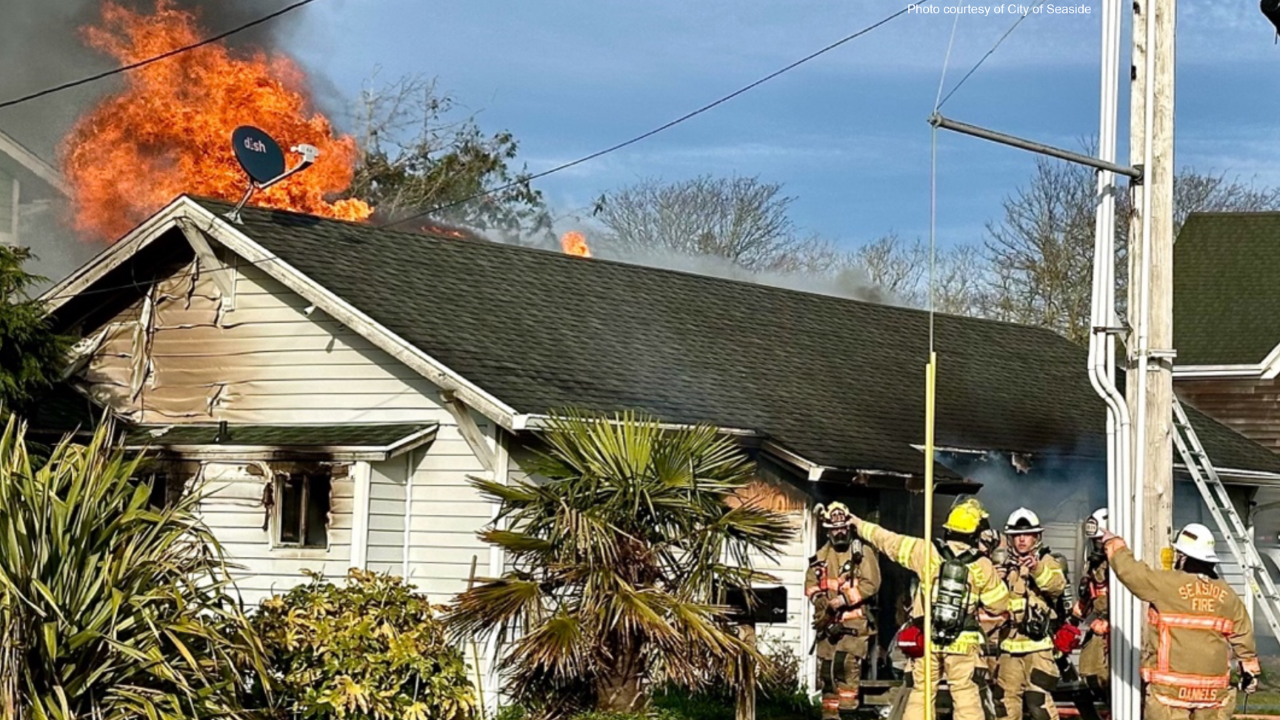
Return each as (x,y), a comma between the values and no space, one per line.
(1249,406)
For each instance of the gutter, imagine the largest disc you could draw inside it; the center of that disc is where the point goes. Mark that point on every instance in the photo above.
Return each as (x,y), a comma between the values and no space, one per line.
(1190,372)
(259,453)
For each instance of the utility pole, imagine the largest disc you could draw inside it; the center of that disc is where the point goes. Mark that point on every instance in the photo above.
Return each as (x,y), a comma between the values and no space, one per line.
(1150,377)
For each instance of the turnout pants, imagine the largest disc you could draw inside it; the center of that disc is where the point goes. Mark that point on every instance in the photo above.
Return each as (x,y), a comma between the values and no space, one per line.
(1029,679)
(962,673)
(838,676)
(1153,709)
(1095,667)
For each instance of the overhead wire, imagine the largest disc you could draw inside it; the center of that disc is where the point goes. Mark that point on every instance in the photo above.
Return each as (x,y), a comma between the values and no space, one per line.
(522,181)
(665,126)
(154,59)
(988,54)
(930,392)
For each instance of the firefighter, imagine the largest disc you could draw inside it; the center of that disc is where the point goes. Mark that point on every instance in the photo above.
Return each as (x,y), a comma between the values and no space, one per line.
(1091,607)
(1027,670)
(1195,622)
(842,580)
(964,582)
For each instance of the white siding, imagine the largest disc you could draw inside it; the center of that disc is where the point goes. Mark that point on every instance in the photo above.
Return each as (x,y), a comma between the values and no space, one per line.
(264,362)
(233,511)
(447,514)
(387,490)
(791,564)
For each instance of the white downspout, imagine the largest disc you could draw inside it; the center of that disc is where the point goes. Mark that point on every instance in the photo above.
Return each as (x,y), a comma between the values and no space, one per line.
(410,471)
(1125,693)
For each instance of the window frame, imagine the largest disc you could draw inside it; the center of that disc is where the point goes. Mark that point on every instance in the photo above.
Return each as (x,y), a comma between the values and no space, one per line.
(309,477)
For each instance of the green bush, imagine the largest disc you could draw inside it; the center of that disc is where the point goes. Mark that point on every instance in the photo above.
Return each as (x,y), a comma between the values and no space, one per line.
(371,649)
(109,609)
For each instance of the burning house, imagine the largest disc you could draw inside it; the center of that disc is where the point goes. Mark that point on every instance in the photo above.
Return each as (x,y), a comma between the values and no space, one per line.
(332,385)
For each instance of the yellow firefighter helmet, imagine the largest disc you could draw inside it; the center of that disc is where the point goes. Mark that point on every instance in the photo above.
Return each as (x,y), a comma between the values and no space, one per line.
(966,517)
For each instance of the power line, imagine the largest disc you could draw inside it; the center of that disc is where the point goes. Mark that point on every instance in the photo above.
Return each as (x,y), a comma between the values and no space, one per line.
(983,59)
(666,126)
(157,58)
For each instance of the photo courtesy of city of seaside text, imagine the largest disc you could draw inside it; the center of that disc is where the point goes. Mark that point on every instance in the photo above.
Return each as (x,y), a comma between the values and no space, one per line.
(1012,8)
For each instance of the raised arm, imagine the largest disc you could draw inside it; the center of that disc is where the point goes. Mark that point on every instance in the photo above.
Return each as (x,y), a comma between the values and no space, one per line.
(1140,578)
(907,551)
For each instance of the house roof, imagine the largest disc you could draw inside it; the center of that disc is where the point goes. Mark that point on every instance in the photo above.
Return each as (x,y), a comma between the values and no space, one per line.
(377,441)
(837,382)
(1226,299)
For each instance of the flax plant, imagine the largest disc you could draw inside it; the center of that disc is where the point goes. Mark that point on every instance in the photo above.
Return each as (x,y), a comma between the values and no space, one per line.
(617,546)
(110,609)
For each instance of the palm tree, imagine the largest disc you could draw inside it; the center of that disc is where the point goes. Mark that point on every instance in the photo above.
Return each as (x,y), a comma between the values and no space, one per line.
(110,609)
(616,547)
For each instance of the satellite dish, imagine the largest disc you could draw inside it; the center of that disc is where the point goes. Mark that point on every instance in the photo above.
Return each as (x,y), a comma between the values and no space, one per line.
(263,160)
(259,155)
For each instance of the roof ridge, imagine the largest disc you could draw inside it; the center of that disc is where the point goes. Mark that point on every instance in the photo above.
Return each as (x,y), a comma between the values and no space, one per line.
(498,246)
(1232,213)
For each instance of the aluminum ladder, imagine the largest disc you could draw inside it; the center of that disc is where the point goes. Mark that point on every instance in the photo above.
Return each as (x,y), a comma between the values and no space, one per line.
(1224,513)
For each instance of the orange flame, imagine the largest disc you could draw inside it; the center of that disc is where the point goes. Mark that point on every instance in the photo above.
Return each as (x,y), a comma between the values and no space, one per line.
(169,131)
(575,243)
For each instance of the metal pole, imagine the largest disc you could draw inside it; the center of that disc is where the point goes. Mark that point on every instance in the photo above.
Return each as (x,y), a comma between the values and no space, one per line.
(926,578)
(1004,139)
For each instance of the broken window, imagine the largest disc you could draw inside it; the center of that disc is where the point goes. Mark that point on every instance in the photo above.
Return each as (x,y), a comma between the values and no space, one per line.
(303,510)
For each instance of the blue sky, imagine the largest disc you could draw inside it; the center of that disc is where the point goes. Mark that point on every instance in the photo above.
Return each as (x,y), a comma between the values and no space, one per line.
(846,133)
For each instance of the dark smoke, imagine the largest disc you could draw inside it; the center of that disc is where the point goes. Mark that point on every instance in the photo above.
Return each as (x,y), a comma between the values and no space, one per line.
(41,46)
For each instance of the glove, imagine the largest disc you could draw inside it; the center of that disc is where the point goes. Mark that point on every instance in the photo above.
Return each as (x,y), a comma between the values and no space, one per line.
(1067,639)
(1248,682)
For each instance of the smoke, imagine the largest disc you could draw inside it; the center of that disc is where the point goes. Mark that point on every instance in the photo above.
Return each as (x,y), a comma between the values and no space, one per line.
(41,45)
(1060,487)
(848,282)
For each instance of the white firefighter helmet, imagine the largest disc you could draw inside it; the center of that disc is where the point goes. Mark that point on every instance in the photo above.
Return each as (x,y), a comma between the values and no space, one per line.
(1196,541)
(1096,524)
(1023,522)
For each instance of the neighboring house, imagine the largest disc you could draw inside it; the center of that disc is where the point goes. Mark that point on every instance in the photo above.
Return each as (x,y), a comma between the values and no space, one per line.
(332,386)
(30,193)
(1226,331)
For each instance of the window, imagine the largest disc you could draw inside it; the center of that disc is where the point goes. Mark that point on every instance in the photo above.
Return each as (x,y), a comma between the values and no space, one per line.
(165,489)
(302,518)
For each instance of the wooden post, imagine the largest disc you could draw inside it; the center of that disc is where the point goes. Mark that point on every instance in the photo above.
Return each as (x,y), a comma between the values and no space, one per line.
(1151,277)
(475,650)
(746,705)
(1158,498)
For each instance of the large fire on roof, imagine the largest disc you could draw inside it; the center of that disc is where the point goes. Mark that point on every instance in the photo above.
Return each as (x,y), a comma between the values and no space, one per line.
(168,131)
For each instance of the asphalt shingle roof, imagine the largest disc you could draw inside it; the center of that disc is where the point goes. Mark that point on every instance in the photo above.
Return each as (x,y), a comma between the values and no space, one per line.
(838,381)
(1226,298)
(274,435)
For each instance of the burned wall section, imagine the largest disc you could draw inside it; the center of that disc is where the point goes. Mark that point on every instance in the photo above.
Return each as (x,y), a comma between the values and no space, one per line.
(181,352)
(241,506)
